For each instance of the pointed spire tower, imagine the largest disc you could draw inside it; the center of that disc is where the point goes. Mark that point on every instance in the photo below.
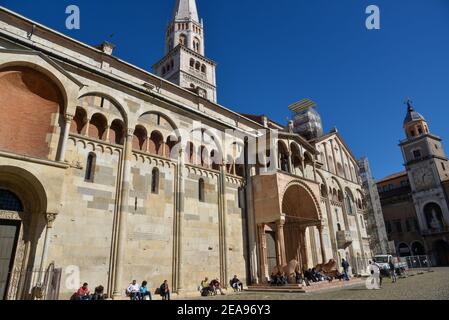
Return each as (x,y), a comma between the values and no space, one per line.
(185,63)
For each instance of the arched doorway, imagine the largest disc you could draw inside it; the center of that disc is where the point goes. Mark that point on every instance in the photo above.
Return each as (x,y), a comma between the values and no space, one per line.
(23,205)
(9,235)
(418,249)
(300,212)
(404,250)
(441,249)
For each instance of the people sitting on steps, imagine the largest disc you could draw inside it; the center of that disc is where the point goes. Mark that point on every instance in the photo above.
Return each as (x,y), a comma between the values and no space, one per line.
(133,291)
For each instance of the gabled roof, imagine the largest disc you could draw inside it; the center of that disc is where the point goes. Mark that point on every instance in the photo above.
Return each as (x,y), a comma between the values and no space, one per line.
(339,137)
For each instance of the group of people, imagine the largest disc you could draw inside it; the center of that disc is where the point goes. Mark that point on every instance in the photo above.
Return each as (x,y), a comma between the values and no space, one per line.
(84,293)
(136,292)
(377,274)
(214,287)
(309,276)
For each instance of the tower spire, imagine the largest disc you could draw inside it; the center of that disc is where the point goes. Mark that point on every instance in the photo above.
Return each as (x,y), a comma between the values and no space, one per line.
(185,10)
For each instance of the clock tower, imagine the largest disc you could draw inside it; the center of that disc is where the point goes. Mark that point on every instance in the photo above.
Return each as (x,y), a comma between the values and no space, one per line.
(427,167)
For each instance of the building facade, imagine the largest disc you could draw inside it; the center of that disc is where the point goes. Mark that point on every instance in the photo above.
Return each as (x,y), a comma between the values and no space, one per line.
(113,173)
(415,202)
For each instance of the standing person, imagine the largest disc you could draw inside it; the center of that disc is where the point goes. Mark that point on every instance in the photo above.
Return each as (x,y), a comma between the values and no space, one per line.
(345,266)
(375,273)
(165,291)
(394,278)
(144,293)
(83,293)
(133,290)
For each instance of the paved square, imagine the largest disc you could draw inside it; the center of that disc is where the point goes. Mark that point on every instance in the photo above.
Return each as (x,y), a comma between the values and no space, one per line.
(427,286)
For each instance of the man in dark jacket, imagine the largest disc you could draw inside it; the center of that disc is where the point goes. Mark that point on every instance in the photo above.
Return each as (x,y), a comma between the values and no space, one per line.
(345,266)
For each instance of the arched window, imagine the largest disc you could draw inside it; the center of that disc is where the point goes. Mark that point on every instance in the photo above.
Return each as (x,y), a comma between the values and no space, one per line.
(79,122)
(323,191)
(349,203)
(163,70)
(155,143)
(139,138)
(201,197)
(192,63)
(182,39)
(196,45)
(203,68)
(9,201)
(90,167)
(338,227)
(190,153)
(116,132)
(197,66)
(155,181)
(97,126)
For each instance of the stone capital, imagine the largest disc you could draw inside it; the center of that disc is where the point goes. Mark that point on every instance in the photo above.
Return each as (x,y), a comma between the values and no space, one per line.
(50,217)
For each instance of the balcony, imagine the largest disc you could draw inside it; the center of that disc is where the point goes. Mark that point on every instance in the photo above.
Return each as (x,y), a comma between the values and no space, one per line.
(344,239)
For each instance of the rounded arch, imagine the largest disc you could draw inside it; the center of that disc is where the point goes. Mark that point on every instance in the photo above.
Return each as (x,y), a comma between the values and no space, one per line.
(155,143)
(98,92)
(97,126)
(140,138)
(434,216)
(307,210)
(26,187)
(117,132)
(79,122)
(33,101)
(145,118)
(283,156)
(404,250)
(44,68)
(418,248)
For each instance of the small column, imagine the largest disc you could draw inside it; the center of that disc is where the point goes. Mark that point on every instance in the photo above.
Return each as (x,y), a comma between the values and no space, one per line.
(178,237)
(302,234)
(323,249)
(122,215)
(108,129)
(68,122)
(50,217)
(290,164)
(282,259)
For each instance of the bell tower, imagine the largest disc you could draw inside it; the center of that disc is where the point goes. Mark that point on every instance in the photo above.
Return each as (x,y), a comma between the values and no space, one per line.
(427,167)
(185,63)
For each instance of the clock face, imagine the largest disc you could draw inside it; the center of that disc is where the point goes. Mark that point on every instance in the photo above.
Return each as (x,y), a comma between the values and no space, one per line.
(423,178)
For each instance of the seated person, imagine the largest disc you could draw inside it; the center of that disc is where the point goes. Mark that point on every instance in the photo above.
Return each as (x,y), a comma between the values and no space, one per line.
(273,279)
(205,288)
(310,276)
(83,293)
(216,286)
(236,284)
(133,291)
(300,279)
(144,293)
(99,293)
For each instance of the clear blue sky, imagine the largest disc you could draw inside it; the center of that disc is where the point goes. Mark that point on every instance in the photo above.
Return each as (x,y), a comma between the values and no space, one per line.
(273,53)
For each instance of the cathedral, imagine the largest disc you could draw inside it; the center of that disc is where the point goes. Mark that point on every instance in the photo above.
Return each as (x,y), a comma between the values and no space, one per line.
(110,173)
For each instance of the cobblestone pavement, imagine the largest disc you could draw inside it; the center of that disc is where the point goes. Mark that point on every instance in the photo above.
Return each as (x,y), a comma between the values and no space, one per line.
(428,286)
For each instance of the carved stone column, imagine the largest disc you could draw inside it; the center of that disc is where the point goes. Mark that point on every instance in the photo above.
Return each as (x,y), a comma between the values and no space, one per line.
(178,279)
(222,226)
(122,215)
(65,137)
(50,217)
(302,235)
(280,241)
(323,249)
